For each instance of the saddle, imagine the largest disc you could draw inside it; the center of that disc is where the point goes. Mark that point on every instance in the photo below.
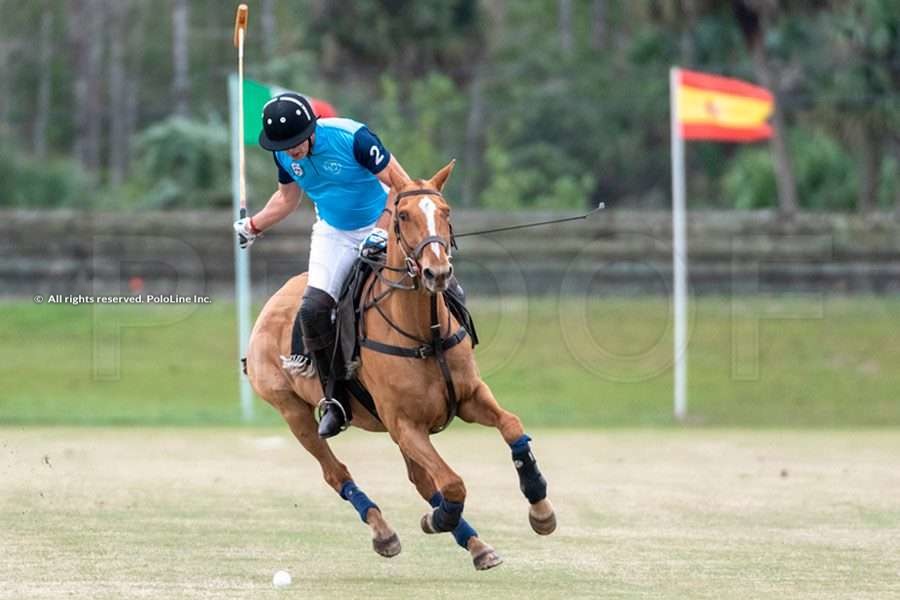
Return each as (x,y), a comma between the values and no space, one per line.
(348,315)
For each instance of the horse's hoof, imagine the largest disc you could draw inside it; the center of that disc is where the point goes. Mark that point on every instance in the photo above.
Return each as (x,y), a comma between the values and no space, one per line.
(487,559)
(427,524)
(387,547)
(542,524)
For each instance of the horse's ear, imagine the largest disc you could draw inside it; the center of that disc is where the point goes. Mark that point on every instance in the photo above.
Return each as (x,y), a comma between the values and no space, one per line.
(398,180)
(440,178)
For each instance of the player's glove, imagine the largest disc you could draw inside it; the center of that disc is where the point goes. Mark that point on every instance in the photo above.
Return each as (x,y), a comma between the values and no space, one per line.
(374,244)
(246,232)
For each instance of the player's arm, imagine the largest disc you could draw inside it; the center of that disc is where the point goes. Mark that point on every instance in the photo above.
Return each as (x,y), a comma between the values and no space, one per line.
(396,171)
(393,170)
(285,199)
(372,155)
(282,203)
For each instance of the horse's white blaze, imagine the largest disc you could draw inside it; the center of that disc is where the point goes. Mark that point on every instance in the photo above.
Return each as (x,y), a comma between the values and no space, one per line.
(429,208)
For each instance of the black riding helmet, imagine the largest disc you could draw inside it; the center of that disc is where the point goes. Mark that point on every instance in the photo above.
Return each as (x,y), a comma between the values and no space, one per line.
(288,120)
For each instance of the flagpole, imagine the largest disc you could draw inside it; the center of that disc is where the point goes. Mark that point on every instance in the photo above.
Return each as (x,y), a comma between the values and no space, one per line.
(241,257)
(679,249)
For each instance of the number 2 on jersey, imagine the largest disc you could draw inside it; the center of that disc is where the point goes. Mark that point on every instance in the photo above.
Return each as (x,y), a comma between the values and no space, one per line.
(374,151)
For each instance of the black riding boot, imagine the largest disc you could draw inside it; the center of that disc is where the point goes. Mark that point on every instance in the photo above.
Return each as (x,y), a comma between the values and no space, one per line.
(319,338)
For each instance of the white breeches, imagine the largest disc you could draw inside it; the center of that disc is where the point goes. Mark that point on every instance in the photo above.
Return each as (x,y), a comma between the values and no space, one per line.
(331,255)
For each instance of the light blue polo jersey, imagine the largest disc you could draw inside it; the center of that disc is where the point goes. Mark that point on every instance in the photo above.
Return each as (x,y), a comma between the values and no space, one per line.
(339,175)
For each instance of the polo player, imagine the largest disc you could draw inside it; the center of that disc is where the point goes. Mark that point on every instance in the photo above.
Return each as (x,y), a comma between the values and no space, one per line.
(346,171)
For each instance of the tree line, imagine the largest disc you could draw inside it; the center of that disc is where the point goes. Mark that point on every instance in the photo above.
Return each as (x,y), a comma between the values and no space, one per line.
(546,103)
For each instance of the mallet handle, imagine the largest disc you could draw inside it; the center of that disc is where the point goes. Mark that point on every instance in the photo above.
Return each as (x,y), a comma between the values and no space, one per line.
(240,31)
(600,207)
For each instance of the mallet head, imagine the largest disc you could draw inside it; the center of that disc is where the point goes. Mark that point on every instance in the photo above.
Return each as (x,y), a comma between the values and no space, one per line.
(240,23)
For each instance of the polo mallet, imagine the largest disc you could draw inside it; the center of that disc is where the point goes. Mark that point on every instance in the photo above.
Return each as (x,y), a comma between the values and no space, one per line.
(600,207)
(240,31)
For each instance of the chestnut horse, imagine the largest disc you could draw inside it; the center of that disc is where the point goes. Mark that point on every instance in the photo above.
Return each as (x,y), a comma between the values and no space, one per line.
(414,395)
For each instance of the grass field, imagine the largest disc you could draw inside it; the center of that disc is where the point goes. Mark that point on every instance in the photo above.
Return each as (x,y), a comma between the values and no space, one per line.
(113,513)
(604,362)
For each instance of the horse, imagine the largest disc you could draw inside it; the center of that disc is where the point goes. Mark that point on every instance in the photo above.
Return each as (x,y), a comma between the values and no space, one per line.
(416,393)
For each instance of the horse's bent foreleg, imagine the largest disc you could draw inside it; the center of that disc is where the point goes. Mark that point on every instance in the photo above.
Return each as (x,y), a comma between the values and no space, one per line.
(416,445)
(420,478)
(483,555)
(299,417)
(484,409)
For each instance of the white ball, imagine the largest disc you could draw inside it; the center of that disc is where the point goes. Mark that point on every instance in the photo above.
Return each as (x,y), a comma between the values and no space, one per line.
(281,579)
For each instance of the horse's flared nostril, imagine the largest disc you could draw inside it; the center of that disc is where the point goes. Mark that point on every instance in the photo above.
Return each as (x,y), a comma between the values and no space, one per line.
(450,272)
(428,273)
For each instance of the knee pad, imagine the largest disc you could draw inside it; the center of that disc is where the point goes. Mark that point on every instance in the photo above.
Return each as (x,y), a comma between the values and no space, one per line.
(316,313)
(315,303)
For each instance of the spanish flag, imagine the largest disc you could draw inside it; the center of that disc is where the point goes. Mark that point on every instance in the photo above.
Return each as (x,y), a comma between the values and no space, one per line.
(711,107)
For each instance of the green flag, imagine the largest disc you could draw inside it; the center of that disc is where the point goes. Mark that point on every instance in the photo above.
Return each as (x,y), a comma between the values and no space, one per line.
(255,96)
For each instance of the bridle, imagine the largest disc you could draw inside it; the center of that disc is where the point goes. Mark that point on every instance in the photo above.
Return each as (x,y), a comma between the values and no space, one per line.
(411,256)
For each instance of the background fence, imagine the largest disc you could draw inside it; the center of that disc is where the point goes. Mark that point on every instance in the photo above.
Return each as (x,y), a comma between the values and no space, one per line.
(615,252)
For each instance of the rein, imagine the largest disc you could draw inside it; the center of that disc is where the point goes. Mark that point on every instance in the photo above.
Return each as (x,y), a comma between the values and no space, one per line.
(437,345)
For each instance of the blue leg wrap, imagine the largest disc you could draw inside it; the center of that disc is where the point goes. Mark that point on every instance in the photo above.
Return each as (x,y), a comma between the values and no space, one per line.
(447,515)
(463,531)
(357,498)
(531,482)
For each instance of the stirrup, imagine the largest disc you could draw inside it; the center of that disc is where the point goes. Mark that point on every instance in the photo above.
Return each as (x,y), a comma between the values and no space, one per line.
(298,364)
(324,403)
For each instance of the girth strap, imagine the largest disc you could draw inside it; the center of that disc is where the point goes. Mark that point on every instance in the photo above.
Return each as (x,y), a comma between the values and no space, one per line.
(423,351)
